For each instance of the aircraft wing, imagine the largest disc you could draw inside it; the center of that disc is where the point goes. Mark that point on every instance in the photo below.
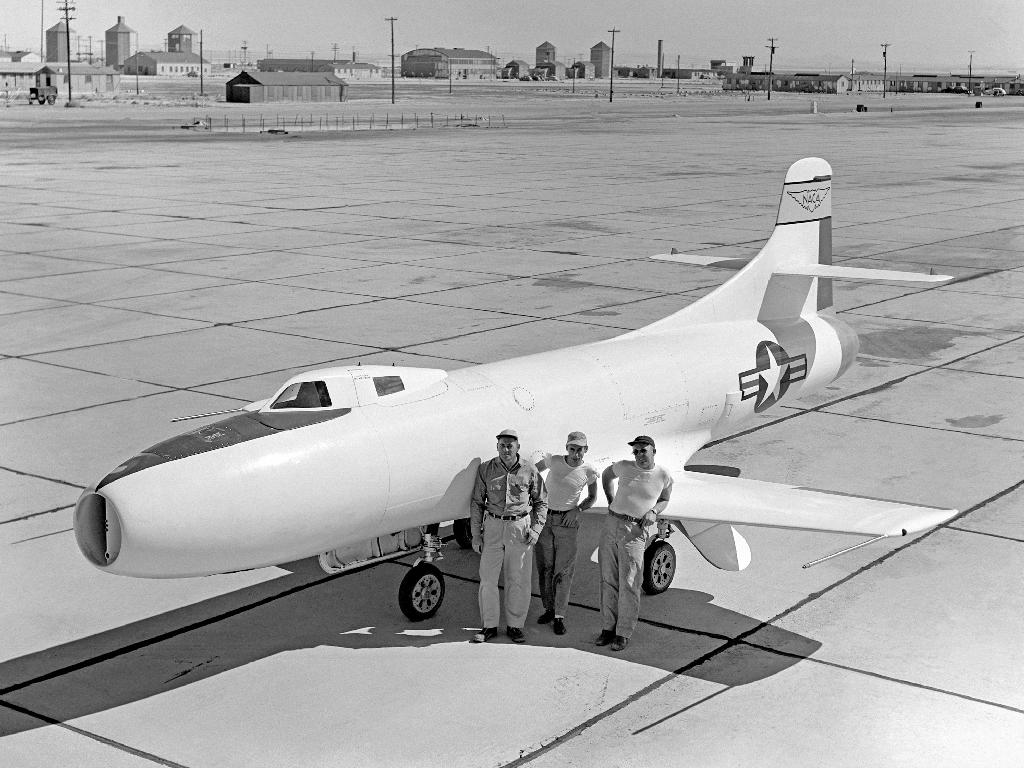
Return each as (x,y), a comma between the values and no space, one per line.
(705,507)
(716,499)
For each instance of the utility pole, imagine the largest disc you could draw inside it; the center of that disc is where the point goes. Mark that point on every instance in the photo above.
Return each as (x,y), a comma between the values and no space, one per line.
(136,63)
(335,49)
(677,74)
(67,9)
(611,73)
(771,64)
(885,67)
(970,72)
(90,50)
(245,48)
(392,20)
(201,93)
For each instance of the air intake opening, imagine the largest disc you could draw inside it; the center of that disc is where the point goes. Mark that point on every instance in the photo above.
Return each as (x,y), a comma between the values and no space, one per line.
(97,529)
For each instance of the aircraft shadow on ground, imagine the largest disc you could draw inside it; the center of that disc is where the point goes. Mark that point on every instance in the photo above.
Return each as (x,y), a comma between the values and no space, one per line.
(681,632)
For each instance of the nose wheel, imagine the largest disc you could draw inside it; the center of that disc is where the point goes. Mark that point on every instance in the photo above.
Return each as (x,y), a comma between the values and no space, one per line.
(421,592)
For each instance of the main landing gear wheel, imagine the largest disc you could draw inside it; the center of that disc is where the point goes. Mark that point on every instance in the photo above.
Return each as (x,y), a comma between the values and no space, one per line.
(463,533)
(421,592)
(659,567)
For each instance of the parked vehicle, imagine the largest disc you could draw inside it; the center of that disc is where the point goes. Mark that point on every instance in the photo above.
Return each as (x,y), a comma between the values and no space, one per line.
(43,94)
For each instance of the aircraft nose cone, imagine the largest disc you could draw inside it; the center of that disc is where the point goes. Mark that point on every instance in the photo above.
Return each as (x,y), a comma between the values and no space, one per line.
(97,529)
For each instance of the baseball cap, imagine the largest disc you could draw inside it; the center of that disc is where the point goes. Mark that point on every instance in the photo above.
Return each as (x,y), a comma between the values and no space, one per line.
(507,433)
(641,440)
(576,438)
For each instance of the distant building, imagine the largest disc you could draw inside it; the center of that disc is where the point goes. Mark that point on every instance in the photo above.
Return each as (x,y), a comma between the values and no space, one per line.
(19,76)
(165,63)
(798,82)
(296,65)
(458,63)
(601,58)
(545,53)
(19,56)
(581,70)
(180,40)
(118,40)
(57,42)
(259,87)
(723,67)
(514,70)
(549,69)
(358,70)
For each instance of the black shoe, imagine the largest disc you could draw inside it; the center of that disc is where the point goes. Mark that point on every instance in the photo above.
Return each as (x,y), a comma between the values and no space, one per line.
(546,617)
(484,635)
(605,637)
(516,634)
(559,626)
(620,643)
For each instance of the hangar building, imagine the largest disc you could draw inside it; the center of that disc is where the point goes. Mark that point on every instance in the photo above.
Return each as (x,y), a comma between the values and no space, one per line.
(459,63)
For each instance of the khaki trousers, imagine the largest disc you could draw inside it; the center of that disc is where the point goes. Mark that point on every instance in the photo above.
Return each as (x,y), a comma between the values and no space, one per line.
(505,549)
(556,559)
(621,556)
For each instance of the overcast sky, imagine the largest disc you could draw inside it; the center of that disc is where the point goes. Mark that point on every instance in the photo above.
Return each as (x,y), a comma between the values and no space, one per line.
(932,34)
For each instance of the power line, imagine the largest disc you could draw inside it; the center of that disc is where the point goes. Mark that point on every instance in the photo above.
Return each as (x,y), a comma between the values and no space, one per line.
(392,20)
(66,8)
(771,65)
(611,81)
(885,67)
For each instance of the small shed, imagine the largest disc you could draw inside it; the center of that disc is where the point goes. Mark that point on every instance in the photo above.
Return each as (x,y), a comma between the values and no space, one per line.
(258,87)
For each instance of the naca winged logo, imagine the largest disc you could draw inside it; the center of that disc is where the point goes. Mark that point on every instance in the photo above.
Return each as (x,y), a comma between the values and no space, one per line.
(810,199)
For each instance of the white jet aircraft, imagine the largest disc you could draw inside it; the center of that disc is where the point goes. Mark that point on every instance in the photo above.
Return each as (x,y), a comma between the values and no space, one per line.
(339,460)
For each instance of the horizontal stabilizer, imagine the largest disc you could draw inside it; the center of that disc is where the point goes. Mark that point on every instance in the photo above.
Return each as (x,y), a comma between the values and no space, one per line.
(717,499)
(859,273)
(721,262)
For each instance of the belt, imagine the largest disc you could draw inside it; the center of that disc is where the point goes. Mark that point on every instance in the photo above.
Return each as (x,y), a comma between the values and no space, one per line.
(627,518)
(561,511)
(507,517)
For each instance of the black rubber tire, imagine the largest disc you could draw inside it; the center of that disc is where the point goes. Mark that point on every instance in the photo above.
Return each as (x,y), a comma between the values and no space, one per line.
(659,567)
(463,533)
(421,592)
(51,100)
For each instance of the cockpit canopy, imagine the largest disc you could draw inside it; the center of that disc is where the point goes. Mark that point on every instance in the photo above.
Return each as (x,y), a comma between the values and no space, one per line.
(356,386)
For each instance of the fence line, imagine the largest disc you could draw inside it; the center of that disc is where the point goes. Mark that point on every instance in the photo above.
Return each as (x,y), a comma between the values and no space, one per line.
(281,124)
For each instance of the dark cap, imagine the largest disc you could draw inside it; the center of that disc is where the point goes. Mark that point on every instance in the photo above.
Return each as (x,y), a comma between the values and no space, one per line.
(576,438)
(508,433)
(641,440)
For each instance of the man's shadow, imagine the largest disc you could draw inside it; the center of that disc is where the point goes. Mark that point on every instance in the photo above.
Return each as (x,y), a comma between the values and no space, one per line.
(681,631)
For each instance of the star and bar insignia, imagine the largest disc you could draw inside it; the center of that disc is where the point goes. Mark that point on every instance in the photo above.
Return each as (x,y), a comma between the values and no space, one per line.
(775,371)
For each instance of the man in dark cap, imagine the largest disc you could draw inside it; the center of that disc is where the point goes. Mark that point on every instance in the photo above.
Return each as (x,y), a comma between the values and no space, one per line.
(508,511)
(641,494)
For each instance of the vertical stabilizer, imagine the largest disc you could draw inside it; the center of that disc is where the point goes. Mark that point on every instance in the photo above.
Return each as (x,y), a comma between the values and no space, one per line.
(802,239)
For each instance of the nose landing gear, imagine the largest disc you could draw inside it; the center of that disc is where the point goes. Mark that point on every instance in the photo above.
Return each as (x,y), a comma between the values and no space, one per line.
(421,592)
(659,562)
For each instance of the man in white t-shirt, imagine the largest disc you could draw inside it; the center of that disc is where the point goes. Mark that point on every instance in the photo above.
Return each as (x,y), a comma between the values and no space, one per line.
(642,494)
(555,553)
